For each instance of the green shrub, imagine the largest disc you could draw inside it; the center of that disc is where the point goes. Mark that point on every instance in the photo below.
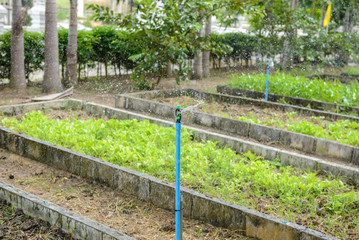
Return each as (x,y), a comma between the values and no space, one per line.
(33,52)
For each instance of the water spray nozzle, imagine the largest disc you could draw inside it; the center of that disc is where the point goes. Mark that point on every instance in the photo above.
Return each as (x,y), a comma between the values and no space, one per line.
(178,114)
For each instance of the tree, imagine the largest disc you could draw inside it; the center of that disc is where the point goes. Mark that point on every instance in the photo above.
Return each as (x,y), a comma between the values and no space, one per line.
(169,34)
(71,69)
(52,81)
(17,73)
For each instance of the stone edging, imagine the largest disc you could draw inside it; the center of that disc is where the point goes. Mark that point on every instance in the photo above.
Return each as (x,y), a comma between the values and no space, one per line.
(139,102)
(78,226)
(224,89)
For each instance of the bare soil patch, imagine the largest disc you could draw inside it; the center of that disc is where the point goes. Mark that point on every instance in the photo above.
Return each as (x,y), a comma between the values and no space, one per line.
(125,213)
(265,115)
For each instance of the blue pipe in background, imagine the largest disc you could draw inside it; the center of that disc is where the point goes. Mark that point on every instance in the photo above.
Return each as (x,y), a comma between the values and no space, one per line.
(267,83)
(178,174)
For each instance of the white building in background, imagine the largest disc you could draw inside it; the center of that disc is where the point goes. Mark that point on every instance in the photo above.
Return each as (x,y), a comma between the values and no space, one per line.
(37,14)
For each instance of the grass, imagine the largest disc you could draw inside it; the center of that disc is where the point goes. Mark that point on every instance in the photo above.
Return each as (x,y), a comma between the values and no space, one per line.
(326,204)
(288,85)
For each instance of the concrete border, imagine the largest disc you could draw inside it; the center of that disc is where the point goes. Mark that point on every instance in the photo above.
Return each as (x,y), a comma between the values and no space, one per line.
(224,89)
(160,193)
(140,102)
(78,226)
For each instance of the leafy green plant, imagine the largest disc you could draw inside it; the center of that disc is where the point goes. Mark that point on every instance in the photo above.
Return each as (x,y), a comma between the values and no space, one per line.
(343,131)
(246,180)
(288,85)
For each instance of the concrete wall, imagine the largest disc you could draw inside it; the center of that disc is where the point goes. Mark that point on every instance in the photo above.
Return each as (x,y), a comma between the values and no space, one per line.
(290,100)
(297,141)
(160,193)
(78,226)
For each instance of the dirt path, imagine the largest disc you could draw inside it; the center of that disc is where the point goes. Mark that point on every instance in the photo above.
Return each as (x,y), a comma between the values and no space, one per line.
(125,213)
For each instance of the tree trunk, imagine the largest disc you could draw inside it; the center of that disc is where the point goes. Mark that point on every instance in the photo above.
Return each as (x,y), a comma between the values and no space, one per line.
(169,69)
(344,58)
(197,63)
(314,6)
(288,43)
(113,5)
(346,20)
(52,81)
(17,74)
(205,55)
(71,70)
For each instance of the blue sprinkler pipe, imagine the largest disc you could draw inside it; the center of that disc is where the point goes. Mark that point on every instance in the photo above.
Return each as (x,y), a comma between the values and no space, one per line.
(178,174)
(267,83)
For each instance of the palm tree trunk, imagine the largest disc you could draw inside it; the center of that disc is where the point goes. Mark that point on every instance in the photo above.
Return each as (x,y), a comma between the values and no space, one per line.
(52,81)
(71,70)
(205,55)
(17,74)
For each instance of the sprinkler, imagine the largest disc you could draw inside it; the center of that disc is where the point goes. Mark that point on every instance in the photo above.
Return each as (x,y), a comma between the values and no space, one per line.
(178,174)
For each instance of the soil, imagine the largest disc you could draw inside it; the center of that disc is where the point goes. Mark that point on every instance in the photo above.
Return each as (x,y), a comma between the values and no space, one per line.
(265,115)
(125,213)
(14,224)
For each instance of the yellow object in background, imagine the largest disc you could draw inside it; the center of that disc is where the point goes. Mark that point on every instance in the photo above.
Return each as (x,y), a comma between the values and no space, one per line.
(327,16)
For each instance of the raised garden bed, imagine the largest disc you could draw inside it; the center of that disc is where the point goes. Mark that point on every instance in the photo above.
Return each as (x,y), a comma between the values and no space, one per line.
(315,94)
(144,102)
(195,205)
(78,226)
(275,98)
(91,199)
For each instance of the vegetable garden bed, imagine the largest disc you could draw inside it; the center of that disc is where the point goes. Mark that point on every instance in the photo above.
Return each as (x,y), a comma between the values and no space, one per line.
(91,199)
(144,102)
(196,205)
(308,199)
(315,94)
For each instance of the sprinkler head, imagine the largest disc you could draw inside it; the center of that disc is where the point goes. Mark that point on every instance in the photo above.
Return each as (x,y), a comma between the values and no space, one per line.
(178,114)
